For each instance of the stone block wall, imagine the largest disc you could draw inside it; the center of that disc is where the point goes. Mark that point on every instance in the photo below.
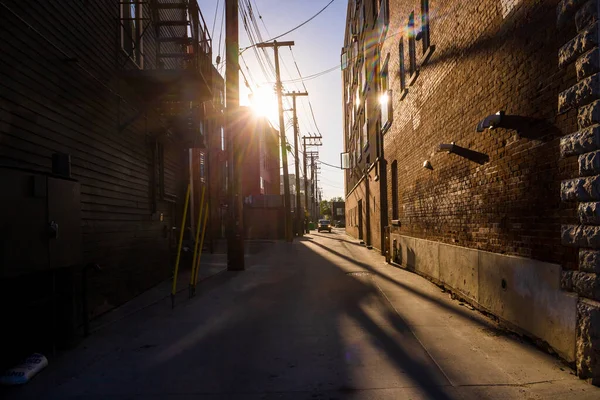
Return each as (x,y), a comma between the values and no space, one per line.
(582,51)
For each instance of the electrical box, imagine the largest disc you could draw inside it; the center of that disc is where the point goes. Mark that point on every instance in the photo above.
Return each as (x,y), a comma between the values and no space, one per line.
(40,227)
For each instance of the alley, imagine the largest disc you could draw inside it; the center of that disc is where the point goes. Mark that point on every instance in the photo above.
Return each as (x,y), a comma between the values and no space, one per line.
(321,318)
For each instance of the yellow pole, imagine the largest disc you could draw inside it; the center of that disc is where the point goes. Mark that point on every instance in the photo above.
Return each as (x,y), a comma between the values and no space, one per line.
(197,236)
(182,230)
(201,245)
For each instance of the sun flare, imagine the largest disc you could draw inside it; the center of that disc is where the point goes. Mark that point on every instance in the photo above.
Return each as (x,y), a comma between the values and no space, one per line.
(264,102)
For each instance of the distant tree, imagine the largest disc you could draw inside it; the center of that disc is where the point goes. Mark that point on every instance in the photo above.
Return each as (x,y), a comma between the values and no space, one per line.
(325,209)
(337,199)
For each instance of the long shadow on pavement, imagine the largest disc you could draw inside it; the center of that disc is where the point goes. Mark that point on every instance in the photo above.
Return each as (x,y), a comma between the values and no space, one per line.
(447,307)
(273,331)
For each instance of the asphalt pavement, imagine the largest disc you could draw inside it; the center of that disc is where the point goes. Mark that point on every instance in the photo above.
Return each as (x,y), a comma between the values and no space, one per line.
(320,318)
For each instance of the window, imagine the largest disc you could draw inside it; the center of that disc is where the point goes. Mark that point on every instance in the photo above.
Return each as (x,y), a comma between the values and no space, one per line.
(348,93)
(412,66)
(395,190)
(425,33)
(385,99)
(363,75)
(131,30)
(425,24)
(361,17)
(344,59)
(365,134)
(402,66)
(383,20)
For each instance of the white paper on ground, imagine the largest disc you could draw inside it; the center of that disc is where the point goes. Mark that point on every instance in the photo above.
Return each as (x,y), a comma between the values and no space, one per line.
(23,373)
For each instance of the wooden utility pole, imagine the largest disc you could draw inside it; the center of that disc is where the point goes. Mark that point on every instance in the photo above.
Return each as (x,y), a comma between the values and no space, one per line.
(305,181)
(313,141)
(313,170)
(286,177)
(299,213)
(235,234)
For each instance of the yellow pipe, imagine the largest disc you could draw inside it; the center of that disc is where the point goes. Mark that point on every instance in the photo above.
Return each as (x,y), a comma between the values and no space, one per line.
(197,235)
(182,230)
(201,244)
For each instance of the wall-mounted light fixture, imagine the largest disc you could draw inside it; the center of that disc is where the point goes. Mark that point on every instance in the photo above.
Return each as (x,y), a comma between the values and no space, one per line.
(490,122)
(427,165)
(447,147)
(452,148)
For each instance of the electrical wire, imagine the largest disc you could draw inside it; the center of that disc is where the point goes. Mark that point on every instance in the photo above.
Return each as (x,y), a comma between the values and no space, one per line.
(313,76)
(309,103)
(220,37)
(297,27)
(212,32)
(254,36)
(251,37)
(260,16)
(329,165)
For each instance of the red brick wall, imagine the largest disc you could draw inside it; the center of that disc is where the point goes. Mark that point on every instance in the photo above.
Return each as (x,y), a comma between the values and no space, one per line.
(483,63)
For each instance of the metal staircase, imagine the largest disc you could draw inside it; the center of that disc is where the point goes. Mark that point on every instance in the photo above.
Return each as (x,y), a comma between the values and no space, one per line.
(178,78)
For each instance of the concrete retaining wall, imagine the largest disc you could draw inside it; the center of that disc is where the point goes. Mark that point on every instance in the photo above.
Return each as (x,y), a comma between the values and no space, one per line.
(522,292)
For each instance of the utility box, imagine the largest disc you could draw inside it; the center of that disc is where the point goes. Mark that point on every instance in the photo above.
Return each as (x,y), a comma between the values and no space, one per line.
(40,258)
(40,228)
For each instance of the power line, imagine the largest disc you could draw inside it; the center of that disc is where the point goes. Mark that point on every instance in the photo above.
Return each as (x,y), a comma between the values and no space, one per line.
(260,16)
(313,76)
(329,165)
(221,36)
(212,32)
(309,103)
(255,36)
(299,26)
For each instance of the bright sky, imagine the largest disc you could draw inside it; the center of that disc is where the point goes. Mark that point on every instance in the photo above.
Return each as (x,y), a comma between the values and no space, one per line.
(317,49)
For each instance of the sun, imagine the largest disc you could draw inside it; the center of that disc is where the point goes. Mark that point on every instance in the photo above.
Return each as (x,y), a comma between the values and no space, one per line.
(264,102)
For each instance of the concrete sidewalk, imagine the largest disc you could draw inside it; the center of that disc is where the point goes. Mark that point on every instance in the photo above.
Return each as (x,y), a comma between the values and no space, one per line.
(320,318)
(211,265)
(475,355)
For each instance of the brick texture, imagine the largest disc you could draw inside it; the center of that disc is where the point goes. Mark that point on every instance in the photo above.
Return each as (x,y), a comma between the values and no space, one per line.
(485,60)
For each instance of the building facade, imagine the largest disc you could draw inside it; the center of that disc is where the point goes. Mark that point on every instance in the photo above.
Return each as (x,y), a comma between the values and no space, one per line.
(216,161)
(338,212)
(260,186)
(100,104)
(260,155)
(461,166)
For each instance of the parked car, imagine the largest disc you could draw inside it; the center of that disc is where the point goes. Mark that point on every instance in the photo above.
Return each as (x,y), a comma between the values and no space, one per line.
(340,224)
(324,225)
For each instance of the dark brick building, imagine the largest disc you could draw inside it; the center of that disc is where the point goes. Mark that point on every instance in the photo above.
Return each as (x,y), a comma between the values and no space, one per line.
(124,90)
(260,166)
(471,199)
(260,156)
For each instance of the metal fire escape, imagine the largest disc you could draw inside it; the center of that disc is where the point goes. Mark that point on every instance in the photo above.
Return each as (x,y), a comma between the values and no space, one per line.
(177,80)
